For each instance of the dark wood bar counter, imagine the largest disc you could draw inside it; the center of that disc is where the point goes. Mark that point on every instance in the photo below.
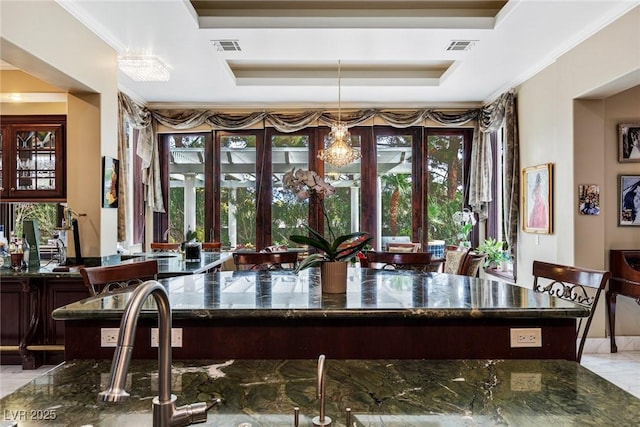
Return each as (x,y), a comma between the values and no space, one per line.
(30,336)
(384,314)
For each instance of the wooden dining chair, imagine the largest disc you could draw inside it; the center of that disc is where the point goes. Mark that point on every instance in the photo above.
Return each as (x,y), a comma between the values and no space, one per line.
(265,260)
(211,246)
(164,247)
(420,261)
(570,283)
(472,263)
(403,247)
(454,259)
(108,277)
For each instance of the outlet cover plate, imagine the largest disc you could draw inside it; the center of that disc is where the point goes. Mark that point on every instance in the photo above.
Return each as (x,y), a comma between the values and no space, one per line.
(109,337)
(526,337)
(176,337)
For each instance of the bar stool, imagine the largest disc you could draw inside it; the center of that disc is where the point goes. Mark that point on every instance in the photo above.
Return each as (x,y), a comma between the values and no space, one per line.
(118,276)
(569,283)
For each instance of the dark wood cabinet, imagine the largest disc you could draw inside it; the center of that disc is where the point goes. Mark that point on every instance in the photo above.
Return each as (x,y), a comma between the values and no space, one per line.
(625,281)
(30,336)
(32,157)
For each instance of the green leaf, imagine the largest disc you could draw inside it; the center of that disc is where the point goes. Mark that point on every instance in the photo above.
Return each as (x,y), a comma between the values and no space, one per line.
(312,260)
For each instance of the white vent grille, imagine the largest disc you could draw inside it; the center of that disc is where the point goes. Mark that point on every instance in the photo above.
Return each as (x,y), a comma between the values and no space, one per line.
(227,45)
(461,45)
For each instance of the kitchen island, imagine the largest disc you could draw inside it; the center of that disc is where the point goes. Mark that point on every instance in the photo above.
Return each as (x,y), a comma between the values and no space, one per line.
(29,335)
(379,392)
(384,315)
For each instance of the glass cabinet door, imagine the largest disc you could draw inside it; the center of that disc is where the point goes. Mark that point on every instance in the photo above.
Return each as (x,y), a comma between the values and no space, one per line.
(37,151)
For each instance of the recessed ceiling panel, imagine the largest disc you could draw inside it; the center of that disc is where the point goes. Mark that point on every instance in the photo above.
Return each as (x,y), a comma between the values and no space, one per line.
(249,73)
(347,14)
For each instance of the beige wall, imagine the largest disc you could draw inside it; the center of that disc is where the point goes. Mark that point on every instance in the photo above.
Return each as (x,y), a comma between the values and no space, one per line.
(567,116)
(64,54)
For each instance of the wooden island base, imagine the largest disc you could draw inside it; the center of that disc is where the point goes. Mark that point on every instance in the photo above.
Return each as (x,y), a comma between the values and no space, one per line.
(336,338)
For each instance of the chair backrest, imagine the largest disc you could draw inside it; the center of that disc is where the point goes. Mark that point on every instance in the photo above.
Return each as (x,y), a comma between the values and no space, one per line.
(420,261)
(265,260)
(454,259)
(403,247)
(120,275)
(164,247)
(472,263)
(211,246)
(569,283)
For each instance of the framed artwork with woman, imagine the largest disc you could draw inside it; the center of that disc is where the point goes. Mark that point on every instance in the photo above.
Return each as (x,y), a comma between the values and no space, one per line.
(629,200)
(537,199)
(629,142)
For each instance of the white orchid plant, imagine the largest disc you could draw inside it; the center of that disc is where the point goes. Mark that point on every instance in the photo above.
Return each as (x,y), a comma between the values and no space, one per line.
(306,184)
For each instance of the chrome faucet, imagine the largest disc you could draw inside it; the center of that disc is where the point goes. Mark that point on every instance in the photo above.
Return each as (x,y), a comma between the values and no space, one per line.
(322,419)
(165,412)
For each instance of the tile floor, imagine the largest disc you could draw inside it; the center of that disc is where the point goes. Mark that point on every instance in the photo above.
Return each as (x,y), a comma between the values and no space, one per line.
(622,369)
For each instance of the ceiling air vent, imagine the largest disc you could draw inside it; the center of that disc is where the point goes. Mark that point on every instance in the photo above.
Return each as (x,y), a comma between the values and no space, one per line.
(461,45)
(227,45)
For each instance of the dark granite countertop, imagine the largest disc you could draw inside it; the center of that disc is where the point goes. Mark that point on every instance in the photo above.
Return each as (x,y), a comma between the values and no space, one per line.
(169,264)
(380,293)
(380,393)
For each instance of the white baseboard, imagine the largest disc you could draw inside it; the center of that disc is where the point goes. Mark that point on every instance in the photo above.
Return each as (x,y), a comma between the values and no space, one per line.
(602,345)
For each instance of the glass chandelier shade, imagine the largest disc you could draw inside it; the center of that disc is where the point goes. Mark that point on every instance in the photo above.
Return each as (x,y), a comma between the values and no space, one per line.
(339,153)
(144,68)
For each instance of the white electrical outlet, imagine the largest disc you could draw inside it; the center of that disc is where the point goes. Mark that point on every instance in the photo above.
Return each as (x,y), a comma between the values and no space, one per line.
(176,337)
(526,337)
(109,337)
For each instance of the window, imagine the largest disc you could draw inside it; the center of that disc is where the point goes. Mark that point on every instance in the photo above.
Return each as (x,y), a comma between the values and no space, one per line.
(238,193)
(343,207)
(182,175)
(395,166)
(288,214)
(448,152)
(409,182)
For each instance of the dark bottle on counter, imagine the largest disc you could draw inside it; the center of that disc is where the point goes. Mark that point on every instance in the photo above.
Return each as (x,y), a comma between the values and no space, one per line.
(25,252)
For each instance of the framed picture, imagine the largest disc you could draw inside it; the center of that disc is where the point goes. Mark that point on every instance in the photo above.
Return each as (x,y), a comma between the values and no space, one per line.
(589,199)
(110,182)
(629,142)
(629,200)
(537,195)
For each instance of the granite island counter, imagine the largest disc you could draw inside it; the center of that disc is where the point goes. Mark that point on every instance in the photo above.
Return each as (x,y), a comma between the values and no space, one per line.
(384,315)
(28,297)
(393,393)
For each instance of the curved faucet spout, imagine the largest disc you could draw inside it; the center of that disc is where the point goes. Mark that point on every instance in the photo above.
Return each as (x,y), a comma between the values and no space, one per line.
(322,419)
(165,412)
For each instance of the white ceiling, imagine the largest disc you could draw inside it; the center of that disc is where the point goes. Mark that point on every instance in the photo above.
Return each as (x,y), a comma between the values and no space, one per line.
(393,58)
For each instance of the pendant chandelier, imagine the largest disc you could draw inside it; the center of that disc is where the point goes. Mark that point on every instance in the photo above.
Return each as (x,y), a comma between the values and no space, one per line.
(340,152)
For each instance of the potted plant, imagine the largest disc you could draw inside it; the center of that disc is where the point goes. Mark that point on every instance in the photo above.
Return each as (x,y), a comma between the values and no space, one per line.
(494,250)
(333,253)
(341,249)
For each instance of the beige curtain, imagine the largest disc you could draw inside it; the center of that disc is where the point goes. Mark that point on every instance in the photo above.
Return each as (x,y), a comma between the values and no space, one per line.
(500,113)
(141,118)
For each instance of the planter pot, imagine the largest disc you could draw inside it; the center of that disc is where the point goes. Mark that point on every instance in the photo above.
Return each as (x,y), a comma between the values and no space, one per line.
(333,276)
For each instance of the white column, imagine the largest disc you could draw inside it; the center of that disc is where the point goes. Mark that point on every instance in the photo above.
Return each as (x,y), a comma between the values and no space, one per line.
(189,202)
(231,220)
(354,192)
